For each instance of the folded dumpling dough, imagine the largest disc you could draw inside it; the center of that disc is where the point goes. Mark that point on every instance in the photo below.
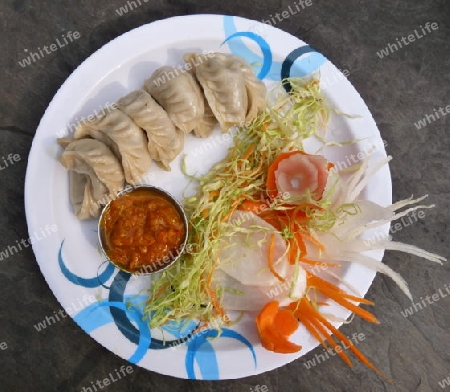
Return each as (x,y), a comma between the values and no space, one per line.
(86,196)
(179,94)
(207,123)
(165,142)
(256,90)
(96,175)
(125,139)
(223,84)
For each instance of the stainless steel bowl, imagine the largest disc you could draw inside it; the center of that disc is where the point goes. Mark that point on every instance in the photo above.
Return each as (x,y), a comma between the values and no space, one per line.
(167,261)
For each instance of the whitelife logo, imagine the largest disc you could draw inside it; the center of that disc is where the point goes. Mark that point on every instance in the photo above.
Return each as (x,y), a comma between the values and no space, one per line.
(71,127)
(432,117)
(9,161)
(260,388)
(391,48)
(319,358)
(130,6)
(181,69)
(108,380)
(430,300)
(34,56)
(37,236)
(74,307)
(445,382)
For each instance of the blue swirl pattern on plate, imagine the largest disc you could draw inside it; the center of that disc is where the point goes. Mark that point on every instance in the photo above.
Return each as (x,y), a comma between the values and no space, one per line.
(301,62)
(78,280)
(123,310)
(201,350)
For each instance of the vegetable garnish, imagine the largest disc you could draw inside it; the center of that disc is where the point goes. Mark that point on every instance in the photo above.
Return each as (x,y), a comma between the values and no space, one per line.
(266,217)
(240,178)
(275,326)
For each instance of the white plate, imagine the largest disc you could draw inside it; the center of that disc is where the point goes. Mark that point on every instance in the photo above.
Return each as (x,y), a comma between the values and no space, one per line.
(91,290)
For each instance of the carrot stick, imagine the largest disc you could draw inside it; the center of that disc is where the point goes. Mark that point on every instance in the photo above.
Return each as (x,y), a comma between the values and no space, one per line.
(305,321)
(252,206)
(311,239)
(315,318)
(350,306)
(350,345)
(337,297)
(249,151)
(214,194)
(296,246)
(314,280)
(333,343)
(301,244)
(212,295)
(271,258)
(233,208)
(315,262)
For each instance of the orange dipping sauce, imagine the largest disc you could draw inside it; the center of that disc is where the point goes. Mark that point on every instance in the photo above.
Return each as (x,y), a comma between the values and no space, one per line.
(143,230)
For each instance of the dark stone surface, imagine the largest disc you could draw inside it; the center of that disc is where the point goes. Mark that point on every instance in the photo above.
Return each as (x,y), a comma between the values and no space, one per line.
(399,90)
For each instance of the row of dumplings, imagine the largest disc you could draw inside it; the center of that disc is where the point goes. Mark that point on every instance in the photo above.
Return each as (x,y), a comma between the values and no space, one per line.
(150,124)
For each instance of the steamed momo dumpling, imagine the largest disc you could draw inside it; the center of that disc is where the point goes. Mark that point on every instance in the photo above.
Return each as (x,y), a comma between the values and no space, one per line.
(95,175)
(256,90)
(85,195)
(207,123)
(92,157)
(125,139)
(165,142)
(179,94)
(224,87)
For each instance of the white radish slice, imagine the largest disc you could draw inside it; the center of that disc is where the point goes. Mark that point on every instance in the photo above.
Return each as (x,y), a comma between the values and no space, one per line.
(237,296)
(244,252)
(366,212)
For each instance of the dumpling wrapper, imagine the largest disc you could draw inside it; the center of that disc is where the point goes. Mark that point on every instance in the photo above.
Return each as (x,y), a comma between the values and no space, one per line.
(85,196)
(223,84)
(207,123)
(165,142)
(95,175)
(179,94)
(256,90)
(94,159)
(126,140)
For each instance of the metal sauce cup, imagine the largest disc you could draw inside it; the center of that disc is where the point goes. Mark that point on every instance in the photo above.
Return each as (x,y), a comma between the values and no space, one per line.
(158,265)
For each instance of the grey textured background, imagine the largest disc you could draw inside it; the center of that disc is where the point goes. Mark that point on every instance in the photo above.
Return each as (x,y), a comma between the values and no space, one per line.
(399,90)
